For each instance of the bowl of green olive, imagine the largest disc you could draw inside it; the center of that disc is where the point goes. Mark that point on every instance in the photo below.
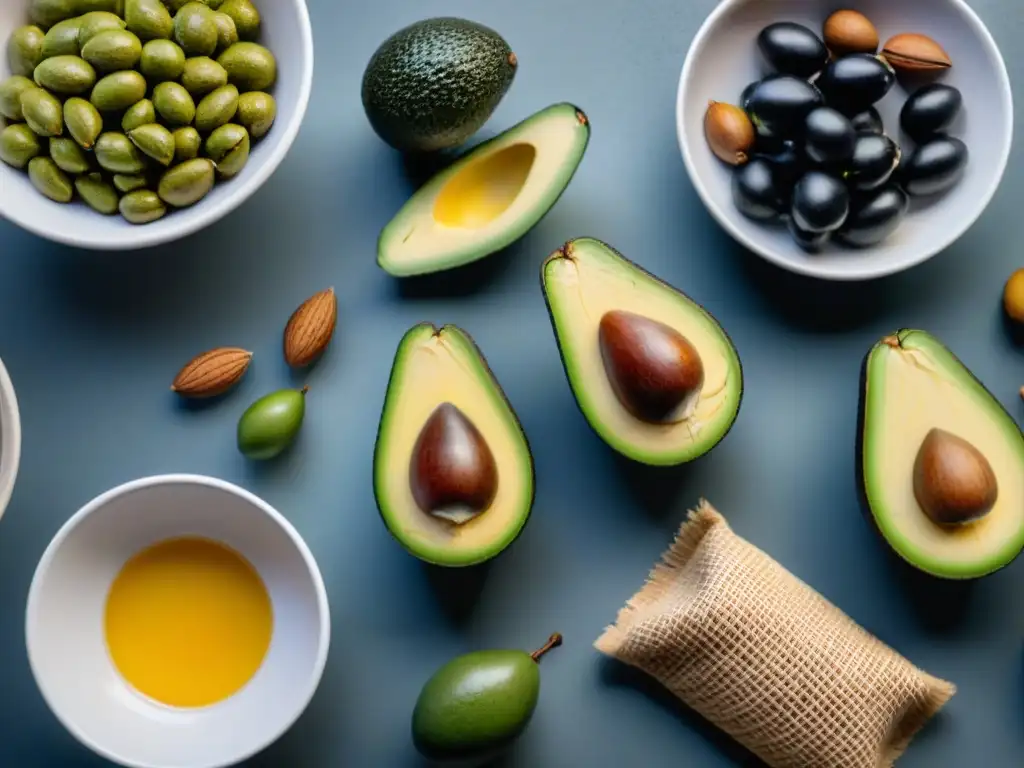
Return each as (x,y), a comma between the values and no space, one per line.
(126,124)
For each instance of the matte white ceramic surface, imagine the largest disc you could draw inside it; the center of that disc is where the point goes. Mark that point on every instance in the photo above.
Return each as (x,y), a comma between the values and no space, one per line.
(64,625)
(287,32)
(724,58)
(10,438)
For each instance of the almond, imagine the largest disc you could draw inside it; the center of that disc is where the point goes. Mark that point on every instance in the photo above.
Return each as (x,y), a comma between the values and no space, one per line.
(915,53)
(850,32)
(310,329)
(212,373)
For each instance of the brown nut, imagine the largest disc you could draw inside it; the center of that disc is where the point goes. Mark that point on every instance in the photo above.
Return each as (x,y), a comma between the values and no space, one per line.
(848,31)
(729,132)
(915,53)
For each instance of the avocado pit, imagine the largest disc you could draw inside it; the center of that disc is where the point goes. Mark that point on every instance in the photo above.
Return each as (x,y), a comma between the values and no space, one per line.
(954,483)
(655,372)
(453,475)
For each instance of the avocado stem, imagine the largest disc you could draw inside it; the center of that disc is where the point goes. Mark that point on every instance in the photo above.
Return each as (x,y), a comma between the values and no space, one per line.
(304,390)
(892,341)
(553,642)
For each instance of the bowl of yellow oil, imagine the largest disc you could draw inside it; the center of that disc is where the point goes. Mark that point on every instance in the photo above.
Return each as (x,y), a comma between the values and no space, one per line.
(177,621)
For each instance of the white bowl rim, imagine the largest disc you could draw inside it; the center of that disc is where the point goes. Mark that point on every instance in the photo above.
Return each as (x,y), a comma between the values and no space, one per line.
(810,267)
(132,486)
(10,434)
(205,215)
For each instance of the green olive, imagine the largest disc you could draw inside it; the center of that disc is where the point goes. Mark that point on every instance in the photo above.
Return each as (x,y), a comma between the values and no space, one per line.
(98,193)
(149,19)
(118,91)
(69,156)
(18,145)
(91,24)
(162,60)
(188,183)
(83,121)
(115,7)
(142,207)
(43,112)
(50,180)
(155,140)
(195,30)
(245,16)
(256,113)
(62,39)
(25,50)
(187,143)
(66,75)
(228,147)
(126,182)
(217,108)
(113,50)
(250,66)
(227,32)
(140,113)
(202,75)
(116,153)
(10,96)
(46,13)
(174,104)
(271,424)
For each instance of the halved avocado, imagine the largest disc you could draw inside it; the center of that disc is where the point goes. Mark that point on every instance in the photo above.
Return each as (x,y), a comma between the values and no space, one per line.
(453,475)
(917,396)
(652,371)
(489,198)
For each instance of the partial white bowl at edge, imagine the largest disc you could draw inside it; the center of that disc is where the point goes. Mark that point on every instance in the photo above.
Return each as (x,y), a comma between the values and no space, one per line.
(724,58)
(10,438)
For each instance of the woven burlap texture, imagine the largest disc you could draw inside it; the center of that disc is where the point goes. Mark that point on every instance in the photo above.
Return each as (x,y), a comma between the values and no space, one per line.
(767,659)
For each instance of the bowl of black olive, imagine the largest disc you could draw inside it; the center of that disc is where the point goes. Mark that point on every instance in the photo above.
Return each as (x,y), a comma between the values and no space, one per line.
(845,142)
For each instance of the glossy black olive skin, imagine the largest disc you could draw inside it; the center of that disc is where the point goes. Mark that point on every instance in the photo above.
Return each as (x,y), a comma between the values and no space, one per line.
(854,82)
(934,167)
(868,121)
(747,91)
(875,159)
(821,203)
(788,164)
(779,104)
(829,136)
(812,242)
(874,216)
(930,110)
(792,49)
(754,191)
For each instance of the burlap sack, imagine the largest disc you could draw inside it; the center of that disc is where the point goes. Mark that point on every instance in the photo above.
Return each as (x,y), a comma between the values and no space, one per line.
(767,659)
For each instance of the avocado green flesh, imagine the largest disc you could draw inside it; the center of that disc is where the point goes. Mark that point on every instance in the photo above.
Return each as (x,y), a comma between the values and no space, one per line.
(910,389)
(476,705)
(489,198)
(432,367)
(594,279)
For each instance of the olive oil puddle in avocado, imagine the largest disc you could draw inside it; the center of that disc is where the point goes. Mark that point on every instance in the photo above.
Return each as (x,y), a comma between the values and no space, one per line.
(485,189)
(188,622)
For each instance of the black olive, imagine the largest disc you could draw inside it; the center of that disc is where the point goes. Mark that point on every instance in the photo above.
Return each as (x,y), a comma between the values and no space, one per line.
(809,241)
(868,121)
(754,191)
(875,216)
(853,83)
(787,161)
(934,166)
(875,158)
(746,93)
(779,104)
(930,110)
(821,202)
(828,136)
(792,49)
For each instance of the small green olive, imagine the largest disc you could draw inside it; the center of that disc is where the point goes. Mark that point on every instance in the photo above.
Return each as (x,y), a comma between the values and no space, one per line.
(83,121)
(113,50)
(188,183)
(140,113)
(125,182)
(187,143)
(69,156)
(65,75)
(62,39)
(25,50)
(174,104)
(217,108)
(50,180)
(227,32)
(18,145)
(92,23)
(98,193)
(46,13)
(10,96)
(245,16)
(256,113)
(42,111)
(271,424)
(162,60)
(250,66)
(116,153)
(142,207)
(155,140)
(118,91)
(149,19)
(195,30)
(228,147)
(202,75)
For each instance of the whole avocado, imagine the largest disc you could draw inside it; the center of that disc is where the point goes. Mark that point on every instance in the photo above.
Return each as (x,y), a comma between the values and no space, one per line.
(433,84)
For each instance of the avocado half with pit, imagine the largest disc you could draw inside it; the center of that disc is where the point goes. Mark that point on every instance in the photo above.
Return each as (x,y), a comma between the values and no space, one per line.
(940,461)
(453,475)
(489,198)
(653,372)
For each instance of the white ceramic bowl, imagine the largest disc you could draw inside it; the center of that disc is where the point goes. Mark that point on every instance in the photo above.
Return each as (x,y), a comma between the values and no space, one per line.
(10,438)
(67,650)
(287,32)
(724,58)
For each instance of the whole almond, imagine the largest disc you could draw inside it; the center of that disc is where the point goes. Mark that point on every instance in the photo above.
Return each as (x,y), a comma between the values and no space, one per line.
(212,373)
(915,53)
(310,329)
(850,32)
